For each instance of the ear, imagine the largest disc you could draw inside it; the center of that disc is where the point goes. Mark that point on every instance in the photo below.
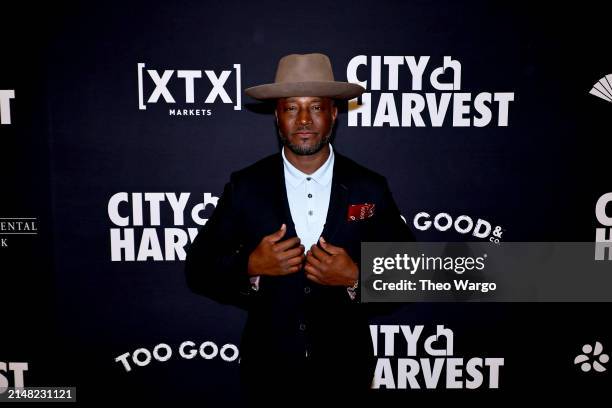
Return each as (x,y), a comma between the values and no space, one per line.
(277,103)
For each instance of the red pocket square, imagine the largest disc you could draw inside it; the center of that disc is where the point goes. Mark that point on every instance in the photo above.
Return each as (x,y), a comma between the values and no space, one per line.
(360,211)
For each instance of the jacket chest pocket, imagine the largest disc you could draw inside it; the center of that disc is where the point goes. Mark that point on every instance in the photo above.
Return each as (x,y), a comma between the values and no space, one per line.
(360,227)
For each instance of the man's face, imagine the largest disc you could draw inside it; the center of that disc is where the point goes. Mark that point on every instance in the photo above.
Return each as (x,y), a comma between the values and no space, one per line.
(305,122)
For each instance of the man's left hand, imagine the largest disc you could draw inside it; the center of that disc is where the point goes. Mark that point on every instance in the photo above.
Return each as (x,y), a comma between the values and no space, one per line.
(331,265)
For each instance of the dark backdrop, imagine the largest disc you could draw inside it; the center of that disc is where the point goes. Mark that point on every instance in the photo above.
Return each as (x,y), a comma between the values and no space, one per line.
(78,137)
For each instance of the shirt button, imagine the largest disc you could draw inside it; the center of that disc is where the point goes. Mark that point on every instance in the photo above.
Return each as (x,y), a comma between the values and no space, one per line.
(302,327)
(307,290)
(309,195)
(310,212)
(308,178)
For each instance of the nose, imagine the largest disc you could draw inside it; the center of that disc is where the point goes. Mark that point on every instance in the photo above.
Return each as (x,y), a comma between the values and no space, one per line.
(304,117)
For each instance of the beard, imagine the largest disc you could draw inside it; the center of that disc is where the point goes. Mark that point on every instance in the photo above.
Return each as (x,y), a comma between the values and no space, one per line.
(303,150)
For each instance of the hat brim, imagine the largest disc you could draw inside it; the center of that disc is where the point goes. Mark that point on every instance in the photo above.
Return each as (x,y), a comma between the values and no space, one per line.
(331,89)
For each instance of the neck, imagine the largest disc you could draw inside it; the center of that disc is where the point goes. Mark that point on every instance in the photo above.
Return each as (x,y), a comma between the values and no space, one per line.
(310,163)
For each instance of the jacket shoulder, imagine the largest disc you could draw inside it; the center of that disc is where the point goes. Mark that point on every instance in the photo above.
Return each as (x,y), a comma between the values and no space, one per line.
(359,173)
(261,168)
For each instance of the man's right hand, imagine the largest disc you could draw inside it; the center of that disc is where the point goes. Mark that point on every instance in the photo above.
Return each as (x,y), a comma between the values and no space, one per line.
(275,257)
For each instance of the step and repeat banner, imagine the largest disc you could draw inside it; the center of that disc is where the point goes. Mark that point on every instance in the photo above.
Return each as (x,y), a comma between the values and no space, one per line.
(122,121)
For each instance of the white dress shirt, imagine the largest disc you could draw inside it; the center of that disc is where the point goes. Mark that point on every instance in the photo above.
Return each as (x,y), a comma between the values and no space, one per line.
(308,196)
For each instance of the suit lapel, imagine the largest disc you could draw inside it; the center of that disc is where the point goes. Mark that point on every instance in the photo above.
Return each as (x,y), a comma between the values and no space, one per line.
(282,201)
(338,200)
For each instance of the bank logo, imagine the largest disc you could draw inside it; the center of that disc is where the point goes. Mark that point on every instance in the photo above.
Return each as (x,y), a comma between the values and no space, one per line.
(188,92)
(5,105)
(603,88)
(420,91)
(16,226)
(593,358)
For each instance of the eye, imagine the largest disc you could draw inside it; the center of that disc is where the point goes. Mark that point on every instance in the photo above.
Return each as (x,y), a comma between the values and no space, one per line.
(289,108)
(316,107)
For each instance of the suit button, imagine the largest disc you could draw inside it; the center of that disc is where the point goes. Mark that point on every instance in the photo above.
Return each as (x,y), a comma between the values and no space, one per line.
(302,327)
(307,290)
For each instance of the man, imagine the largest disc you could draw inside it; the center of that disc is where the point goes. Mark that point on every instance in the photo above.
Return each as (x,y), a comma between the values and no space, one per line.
(284,242)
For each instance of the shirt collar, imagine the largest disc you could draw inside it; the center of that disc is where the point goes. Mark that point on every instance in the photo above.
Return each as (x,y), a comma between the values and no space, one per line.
(323,175)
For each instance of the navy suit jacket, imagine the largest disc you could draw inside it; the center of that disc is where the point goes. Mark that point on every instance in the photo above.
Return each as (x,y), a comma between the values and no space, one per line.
(291,318)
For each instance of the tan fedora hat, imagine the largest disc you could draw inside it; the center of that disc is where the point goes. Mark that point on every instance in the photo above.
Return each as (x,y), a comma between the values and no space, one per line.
(305,75)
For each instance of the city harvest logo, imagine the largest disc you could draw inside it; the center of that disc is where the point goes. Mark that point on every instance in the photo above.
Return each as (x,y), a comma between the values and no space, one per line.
(11,375)
(593,358)
(603,242)
(463,224)
(187,350)
(428,358)
(16,226)
(603,88)
(5,105)
(443,102)
(139,234)
(188,92)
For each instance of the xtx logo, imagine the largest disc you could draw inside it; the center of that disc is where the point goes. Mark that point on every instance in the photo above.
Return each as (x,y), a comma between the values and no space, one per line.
(5,105)
(601,241)
(188,87)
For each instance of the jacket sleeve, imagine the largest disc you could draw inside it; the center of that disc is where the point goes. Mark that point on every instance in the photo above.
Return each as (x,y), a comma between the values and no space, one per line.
(391,227)
(216,263)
